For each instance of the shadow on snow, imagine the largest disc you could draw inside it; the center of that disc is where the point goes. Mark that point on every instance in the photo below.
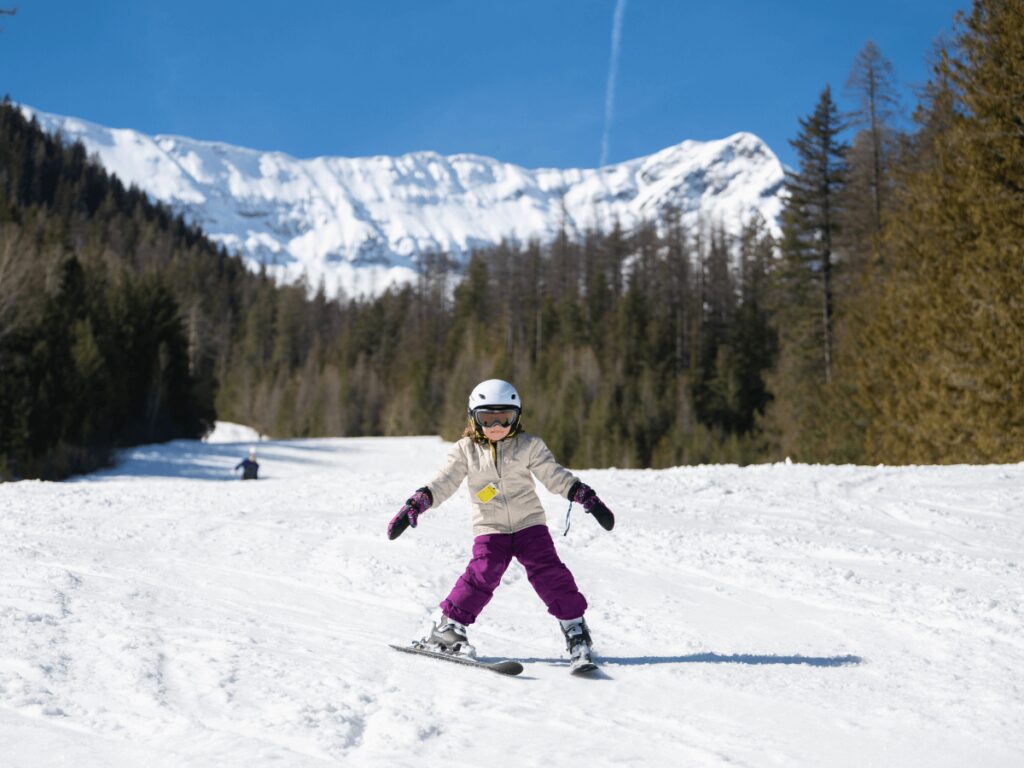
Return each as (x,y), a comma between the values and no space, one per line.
(749,659)
(193,460)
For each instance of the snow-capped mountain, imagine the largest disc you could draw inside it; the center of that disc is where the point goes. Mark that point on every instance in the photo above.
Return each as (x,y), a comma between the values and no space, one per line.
(361,224)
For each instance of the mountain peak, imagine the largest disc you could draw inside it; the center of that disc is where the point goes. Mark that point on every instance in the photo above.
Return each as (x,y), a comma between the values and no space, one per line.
(361,224)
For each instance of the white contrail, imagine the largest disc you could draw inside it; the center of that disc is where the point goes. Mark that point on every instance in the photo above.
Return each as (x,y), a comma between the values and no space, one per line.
(613,68)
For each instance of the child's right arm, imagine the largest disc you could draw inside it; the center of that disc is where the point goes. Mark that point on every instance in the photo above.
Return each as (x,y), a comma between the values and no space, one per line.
(410,512)
(444,484)
(448,479)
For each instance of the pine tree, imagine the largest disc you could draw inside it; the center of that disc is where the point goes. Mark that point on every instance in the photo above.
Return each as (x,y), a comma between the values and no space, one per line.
(715,385)
(811,217)
(803,301)
(754,341)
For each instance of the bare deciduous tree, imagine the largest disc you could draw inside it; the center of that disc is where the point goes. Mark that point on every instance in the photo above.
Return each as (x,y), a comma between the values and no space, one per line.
(872,81)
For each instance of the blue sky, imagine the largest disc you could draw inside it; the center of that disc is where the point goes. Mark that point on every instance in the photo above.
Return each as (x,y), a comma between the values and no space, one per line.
(524,81)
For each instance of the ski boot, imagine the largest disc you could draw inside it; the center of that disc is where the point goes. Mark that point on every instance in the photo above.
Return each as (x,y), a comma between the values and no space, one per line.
(577,642)
(449,636)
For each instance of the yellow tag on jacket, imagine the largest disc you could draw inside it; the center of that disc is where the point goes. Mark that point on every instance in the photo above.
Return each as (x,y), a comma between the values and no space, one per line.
(487,493)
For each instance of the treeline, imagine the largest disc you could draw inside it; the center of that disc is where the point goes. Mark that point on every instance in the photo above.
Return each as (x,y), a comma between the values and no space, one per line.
(644,349)
(901,282)
(102,339)
(885,324)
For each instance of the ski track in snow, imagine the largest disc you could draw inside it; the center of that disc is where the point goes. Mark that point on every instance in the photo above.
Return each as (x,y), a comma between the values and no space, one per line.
(164,614)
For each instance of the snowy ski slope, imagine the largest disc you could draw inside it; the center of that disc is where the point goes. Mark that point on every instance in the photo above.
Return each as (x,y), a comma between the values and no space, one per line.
(165,614)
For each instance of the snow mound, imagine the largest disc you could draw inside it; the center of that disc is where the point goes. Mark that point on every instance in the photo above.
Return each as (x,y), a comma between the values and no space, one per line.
(229,432)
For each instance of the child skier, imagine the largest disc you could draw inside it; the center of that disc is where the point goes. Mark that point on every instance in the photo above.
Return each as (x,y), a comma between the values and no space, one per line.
(249,466)
(500,461)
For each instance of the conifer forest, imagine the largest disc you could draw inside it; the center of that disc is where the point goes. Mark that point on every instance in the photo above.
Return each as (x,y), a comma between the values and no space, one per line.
(884,325)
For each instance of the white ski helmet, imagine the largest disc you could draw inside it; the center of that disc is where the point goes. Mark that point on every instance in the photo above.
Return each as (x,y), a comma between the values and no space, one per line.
(494,393)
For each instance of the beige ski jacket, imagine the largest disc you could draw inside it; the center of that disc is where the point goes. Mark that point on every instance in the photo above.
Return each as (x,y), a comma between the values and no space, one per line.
(501,481)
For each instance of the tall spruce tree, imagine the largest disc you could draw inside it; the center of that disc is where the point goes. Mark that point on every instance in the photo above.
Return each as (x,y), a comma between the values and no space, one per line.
(803,299)
(812,214)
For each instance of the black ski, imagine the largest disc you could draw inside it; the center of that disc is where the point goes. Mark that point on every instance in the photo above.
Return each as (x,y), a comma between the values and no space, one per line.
(504,667)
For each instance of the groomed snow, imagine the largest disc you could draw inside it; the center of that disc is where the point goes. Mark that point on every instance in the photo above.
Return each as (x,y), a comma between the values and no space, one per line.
(165,614)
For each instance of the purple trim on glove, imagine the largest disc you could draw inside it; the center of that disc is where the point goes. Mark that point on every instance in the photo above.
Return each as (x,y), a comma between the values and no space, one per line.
(410,512)
(417,504)
(585,496)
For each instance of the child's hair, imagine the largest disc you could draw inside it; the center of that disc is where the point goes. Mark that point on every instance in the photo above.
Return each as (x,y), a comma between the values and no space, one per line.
(473,430)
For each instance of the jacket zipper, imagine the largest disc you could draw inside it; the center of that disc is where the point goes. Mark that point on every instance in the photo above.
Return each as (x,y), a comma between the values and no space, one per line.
(496,448)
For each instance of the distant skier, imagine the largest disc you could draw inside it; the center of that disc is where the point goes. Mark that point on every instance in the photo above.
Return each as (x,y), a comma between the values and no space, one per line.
(500,461)
(249,466)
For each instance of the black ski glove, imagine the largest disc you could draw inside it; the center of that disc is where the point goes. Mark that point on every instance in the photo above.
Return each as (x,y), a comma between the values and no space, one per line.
(408,515)
(584,495)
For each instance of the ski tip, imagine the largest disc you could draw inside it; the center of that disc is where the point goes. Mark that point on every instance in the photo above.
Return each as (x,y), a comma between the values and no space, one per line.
(507,667)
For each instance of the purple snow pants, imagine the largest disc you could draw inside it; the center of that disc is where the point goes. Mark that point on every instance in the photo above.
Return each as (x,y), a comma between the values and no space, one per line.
(492,553)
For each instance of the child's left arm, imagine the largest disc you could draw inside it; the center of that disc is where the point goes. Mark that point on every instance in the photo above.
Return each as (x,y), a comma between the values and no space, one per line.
(584,495)
(556,478)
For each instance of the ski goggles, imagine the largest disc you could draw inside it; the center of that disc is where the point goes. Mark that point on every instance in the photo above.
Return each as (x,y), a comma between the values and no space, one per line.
(487,419)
